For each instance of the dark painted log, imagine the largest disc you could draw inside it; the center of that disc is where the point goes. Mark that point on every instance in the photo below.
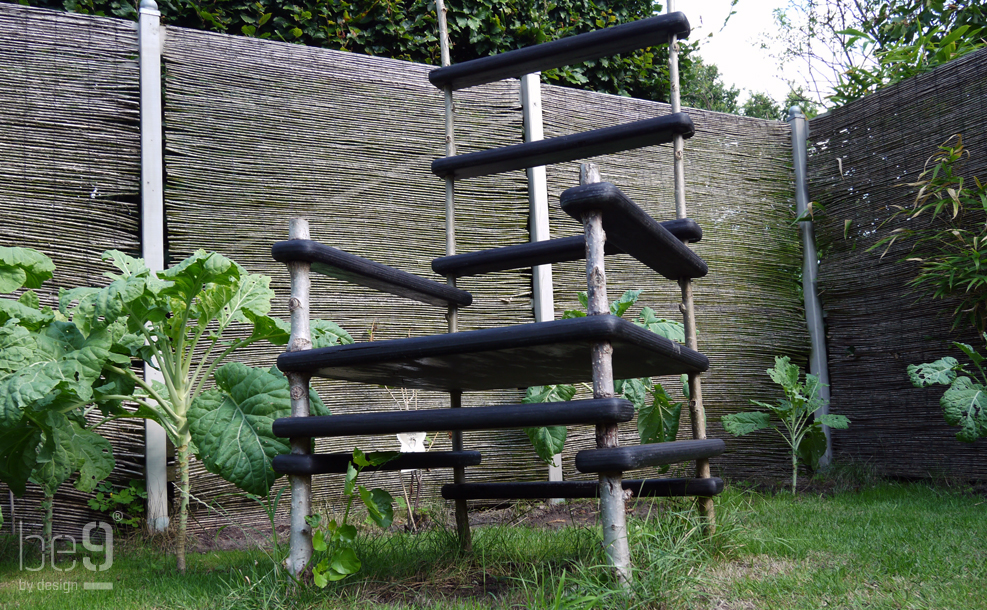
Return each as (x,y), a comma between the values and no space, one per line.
(511,357)
(358,270)
(619,459)
(563,52)
(664,488)
(631,229)
(336,463)
(478,418)
(546,252)
(561,149)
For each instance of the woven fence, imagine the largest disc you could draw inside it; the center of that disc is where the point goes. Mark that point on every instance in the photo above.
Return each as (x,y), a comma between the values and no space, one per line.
(860,159)
(70,179)
(257,132)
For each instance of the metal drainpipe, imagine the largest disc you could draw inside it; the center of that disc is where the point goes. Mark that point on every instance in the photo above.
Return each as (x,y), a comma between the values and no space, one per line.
(810,270)
(151,39)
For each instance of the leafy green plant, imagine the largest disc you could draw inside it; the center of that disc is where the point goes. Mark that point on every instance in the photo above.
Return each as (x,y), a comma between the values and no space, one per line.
(947,229)
(964,403)
(802,431)
(657,416)
(126,503)
(336,541)
(57,367)
(896,63)
(49,375)
(185,321)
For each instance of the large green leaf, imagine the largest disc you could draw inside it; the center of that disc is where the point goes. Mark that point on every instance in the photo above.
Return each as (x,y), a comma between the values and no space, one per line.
(784,373)
(813,446)
(634,390)
(621,305)
(964,404)
(18,454)
(839,422)
(252,298)
(71,449)
(326,333)
(658,421)
(21,267)
(669,329)
(380,506)
(739,424)
(548,440)
(231,425)
(26,311)
(942,371)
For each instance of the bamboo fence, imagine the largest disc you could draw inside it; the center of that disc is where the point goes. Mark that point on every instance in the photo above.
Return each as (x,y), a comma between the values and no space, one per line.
(861,158)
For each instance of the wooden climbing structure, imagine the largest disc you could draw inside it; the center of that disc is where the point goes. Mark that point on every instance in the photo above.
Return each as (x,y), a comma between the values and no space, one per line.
(598,348)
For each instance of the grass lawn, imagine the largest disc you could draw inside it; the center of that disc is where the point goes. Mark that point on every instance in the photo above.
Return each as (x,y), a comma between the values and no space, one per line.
(887,545)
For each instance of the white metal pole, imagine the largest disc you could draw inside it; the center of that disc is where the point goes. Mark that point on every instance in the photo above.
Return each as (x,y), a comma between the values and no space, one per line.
(818,364)
(541,275)
(150,40)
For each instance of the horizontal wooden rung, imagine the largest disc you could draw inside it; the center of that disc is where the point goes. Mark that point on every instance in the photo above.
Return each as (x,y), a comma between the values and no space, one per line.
(337,463)
(580,489)
(633,230)
(364,272)
(620,459)
(602,410)
(519,356)
(562,149)
(546,252)
(567,51)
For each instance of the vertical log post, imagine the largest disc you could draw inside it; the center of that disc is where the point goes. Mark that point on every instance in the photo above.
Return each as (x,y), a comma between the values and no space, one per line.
(455,396)
(697,413)
(300,540)
(612,512)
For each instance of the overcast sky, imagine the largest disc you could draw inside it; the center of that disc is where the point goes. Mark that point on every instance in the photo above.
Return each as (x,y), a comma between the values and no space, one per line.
(736,49)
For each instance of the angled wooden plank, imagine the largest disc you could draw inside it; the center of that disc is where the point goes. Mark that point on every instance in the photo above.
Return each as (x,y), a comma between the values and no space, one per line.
(476,418)
(337,463)
(631,229)
(561,149)
(358,270)
(546,252)
(619,459)
(511,357)
(535,490)
(576,49)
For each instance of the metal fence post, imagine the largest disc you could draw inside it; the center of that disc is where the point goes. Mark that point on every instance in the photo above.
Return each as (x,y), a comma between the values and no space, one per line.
(150,39)
(541,275)
(810,269)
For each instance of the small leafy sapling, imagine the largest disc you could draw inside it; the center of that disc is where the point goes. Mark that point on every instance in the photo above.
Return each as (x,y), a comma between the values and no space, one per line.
(801,429)
(335,542)
(657,415)
(126,504)
(964,403)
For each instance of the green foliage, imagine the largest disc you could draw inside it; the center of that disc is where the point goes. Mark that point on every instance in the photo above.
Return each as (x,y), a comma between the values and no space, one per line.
(802,432)
(657,416)
(184,322)
(948,235)
(231,424)
(903,60)
(407,30)
(761,106)
(703,87)
(125,503)
(335,542)
(964,403)
(49,376)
